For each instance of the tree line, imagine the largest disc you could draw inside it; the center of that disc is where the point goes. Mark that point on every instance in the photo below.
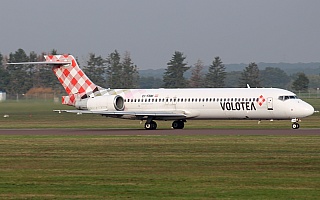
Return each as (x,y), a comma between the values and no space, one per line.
(217,76)
(119,71)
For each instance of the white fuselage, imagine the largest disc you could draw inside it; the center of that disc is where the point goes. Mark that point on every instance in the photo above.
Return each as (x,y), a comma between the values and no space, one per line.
(210,103)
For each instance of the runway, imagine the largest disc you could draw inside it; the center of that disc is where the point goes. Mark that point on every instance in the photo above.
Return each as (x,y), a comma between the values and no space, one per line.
(138,132)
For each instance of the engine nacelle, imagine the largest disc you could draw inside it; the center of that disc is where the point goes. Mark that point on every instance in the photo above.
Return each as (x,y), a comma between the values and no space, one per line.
(106,103)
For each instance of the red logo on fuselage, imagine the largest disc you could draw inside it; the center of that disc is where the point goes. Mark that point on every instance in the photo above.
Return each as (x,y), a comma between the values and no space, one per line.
(261,100)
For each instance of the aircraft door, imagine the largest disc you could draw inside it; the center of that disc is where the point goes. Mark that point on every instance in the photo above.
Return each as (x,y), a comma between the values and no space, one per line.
(170,103)
(270,103)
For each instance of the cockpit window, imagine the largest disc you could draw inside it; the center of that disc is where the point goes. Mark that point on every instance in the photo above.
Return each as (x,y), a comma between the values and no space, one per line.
(286,97)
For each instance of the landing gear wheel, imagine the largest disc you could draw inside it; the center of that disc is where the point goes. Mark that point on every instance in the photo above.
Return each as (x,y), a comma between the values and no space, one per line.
(178,125)
(150,126)
(295,126)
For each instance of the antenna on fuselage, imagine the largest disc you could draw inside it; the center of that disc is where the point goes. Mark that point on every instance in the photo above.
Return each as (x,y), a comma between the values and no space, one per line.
(248,86)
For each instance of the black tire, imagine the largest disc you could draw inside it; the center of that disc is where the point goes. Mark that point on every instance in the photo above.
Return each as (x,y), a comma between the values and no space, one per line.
(178,125)
(150,126)
(295,126)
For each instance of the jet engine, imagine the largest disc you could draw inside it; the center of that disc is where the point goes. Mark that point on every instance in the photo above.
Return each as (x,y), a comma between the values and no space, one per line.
(105,103)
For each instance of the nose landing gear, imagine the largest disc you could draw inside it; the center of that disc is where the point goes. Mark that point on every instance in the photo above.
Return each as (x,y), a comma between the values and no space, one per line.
(295,124)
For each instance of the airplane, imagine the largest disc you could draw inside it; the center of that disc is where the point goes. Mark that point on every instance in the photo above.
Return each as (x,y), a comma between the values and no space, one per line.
(178,105)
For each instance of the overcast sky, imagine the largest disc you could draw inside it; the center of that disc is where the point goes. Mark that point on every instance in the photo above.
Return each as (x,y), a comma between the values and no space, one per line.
(239,31)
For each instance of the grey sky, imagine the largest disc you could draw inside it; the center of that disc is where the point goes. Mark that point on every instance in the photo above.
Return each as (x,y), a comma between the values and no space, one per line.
(239,31)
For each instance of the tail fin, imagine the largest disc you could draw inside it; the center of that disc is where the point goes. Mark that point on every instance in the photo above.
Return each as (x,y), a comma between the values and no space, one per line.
(71,76)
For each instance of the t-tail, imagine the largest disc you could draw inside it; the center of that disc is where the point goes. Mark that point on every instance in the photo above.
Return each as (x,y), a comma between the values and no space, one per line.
(72,78)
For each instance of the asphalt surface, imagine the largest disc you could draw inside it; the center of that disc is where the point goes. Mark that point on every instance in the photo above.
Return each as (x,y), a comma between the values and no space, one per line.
(158,132)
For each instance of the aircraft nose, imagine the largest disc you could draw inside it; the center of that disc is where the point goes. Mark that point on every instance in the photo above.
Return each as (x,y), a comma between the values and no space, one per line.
(309,110)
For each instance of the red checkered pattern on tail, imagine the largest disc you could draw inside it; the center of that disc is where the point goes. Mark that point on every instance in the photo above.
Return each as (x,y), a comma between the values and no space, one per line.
(69,100)
(71,77)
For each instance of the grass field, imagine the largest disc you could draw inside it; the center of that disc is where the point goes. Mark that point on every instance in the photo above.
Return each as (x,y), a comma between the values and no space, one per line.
(153,167)
(159,167)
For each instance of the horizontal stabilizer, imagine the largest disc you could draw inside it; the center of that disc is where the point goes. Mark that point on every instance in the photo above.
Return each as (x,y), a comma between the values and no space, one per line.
(42,63)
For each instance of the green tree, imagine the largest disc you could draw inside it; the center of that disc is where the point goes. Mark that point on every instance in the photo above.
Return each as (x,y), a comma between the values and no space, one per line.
(130,74)
(31,69)
(96,69)
(173,76)
(54,52)
(19,76)
(4,76)
(301,83)
(196,76)
(250,75)
(114,70)
(274,77)
(217,73)
(232,79)
(314,81)
(149,82)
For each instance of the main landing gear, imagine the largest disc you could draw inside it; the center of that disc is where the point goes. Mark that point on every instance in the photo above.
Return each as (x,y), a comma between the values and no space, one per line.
(179,124)
(152,125)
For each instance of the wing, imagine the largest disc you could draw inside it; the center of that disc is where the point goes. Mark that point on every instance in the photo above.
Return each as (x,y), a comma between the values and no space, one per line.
(130,114)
